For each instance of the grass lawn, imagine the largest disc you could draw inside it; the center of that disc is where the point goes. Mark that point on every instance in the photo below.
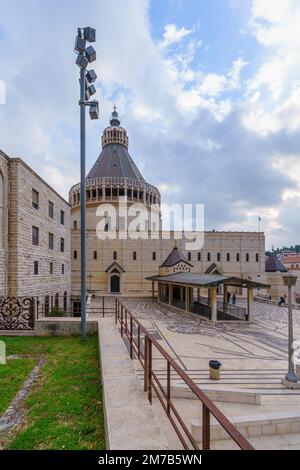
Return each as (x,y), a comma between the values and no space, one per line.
(64,408)
(12,376)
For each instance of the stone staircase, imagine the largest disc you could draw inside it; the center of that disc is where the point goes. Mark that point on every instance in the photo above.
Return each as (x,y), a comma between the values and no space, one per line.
(269,425)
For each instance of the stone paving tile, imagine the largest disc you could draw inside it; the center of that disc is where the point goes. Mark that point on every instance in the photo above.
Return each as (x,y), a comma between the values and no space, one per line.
(253,356)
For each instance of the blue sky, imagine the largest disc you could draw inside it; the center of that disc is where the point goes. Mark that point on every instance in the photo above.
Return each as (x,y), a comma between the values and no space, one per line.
(209,92)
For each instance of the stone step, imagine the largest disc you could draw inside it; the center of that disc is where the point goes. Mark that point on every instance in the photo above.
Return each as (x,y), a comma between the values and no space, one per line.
(267,424)
(223,394)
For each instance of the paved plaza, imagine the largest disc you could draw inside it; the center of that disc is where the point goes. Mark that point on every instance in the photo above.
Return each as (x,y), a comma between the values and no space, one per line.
(253,357)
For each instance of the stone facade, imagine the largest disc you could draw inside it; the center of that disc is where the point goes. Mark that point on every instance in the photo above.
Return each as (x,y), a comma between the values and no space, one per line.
(116,265)
(3,223)
(101,254)
(113,265)
(30,269)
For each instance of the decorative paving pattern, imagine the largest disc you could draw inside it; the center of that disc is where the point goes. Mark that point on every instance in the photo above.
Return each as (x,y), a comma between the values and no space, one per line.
(253,355)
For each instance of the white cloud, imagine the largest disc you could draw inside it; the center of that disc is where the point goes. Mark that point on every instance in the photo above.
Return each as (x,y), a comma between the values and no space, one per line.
(173,35)
(275,24)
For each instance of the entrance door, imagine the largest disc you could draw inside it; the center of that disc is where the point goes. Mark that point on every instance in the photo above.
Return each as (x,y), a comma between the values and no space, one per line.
(115,284)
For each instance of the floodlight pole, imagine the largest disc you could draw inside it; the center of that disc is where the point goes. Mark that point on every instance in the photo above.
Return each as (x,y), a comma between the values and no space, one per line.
(83,203)
(84,57)
(290,376)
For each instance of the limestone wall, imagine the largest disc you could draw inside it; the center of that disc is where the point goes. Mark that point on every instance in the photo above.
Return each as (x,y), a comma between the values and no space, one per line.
(22,253)
(3,222)
(100,255)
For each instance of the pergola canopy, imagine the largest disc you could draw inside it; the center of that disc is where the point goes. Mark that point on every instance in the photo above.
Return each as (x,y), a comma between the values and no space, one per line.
(206,280)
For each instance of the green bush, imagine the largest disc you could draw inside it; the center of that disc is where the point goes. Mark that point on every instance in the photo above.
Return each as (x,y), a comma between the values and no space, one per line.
(57,312)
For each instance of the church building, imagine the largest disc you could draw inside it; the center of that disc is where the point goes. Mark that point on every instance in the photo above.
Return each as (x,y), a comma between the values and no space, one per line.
(120,264)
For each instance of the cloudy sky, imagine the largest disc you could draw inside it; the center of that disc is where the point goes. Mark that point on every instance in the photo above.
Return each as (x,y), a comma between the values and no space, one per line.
(208,91)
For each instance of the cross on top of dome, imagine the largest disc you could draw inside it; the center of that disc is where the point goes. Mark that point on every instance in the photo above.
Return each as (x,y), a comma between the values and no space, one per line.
(115,121)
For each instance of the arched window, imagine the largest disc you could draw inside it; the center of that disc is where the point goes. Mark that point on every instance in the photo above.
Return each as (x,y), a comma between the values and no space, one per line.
(1,212)
(56,301)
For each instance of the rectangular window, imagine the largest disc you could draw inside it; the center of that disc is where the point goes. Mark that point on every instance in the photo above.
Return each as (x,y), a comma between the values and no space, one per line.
(208,256)
(62,245)
(63,269)
(114,255)
(228,256)
(199,256)
(35,268)
(219,257)
(189,256)
(62,217)
(238,257)
(153,256)
(95,255)
(51,268)
(247,257)
(51,241)
(51,209)
(134,256)
(35,199)
(257,257)
(35,236)
(75,254)
(75,224)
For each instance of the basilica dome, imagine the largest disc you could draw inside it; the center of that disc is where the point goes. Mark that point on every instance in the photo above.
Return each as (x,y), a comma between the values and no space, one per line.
(114,173)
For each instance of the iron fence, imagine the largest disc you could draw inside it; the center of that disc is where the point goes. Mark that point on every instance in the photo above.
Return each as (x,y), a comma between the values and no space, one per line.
(16,313)
(141,346)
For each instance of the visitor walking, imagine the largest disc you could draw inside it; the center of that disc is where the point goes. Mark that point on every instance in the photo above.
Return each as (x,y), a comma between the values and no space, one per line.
(233,299)
(281,301)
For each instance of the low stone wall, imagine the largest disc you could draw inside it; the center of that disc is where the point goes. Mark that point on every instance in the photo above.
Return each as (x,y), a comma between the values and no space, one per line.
(63,327)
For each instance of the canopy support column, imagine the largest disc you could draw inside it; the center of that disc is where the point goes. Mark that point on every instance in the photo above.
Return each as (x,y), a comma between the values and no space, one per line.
(249,303)
(187,299)
(225,291)
(213,303)
(152,289)
(170,294)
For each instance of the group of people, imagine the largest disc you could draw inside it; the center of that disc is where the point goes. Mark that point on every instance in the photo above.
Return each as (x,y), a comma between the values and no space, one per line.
(233,297)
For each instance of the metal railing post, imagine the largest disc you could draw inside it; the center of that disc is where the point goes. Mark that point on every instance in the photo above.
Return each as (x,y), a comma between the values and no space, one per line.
(205,428)
(131,345)
(146,364)
(168,388)
(122,321)
(150,371)
(139,341)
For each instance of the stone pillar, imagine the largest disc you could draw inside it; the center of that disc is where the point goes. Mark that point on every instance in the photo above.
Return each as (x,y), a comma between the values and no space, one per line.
(213,303)
(187,299)
(170,294)
(225,290)
(249,303)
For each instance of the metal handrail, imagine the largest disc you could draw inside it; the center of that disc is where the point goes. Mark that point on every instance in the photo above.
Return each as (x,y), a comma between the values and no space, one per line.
(151,381)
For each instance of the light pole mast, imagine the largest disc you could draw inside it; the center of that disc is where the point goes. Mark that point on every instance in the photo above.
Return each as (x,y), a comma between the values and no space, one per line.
(82,204)
(290,379)
(85,55)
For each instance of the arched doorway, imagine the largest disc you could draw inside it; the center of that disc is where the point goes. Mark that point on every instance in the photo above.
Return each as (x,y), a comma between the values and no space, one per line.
(115,283)
(115,272)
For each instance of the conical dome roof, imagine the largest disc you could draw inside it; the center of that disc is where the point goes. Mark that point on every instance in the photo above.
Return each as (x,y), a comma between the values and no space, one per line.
(115,160)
